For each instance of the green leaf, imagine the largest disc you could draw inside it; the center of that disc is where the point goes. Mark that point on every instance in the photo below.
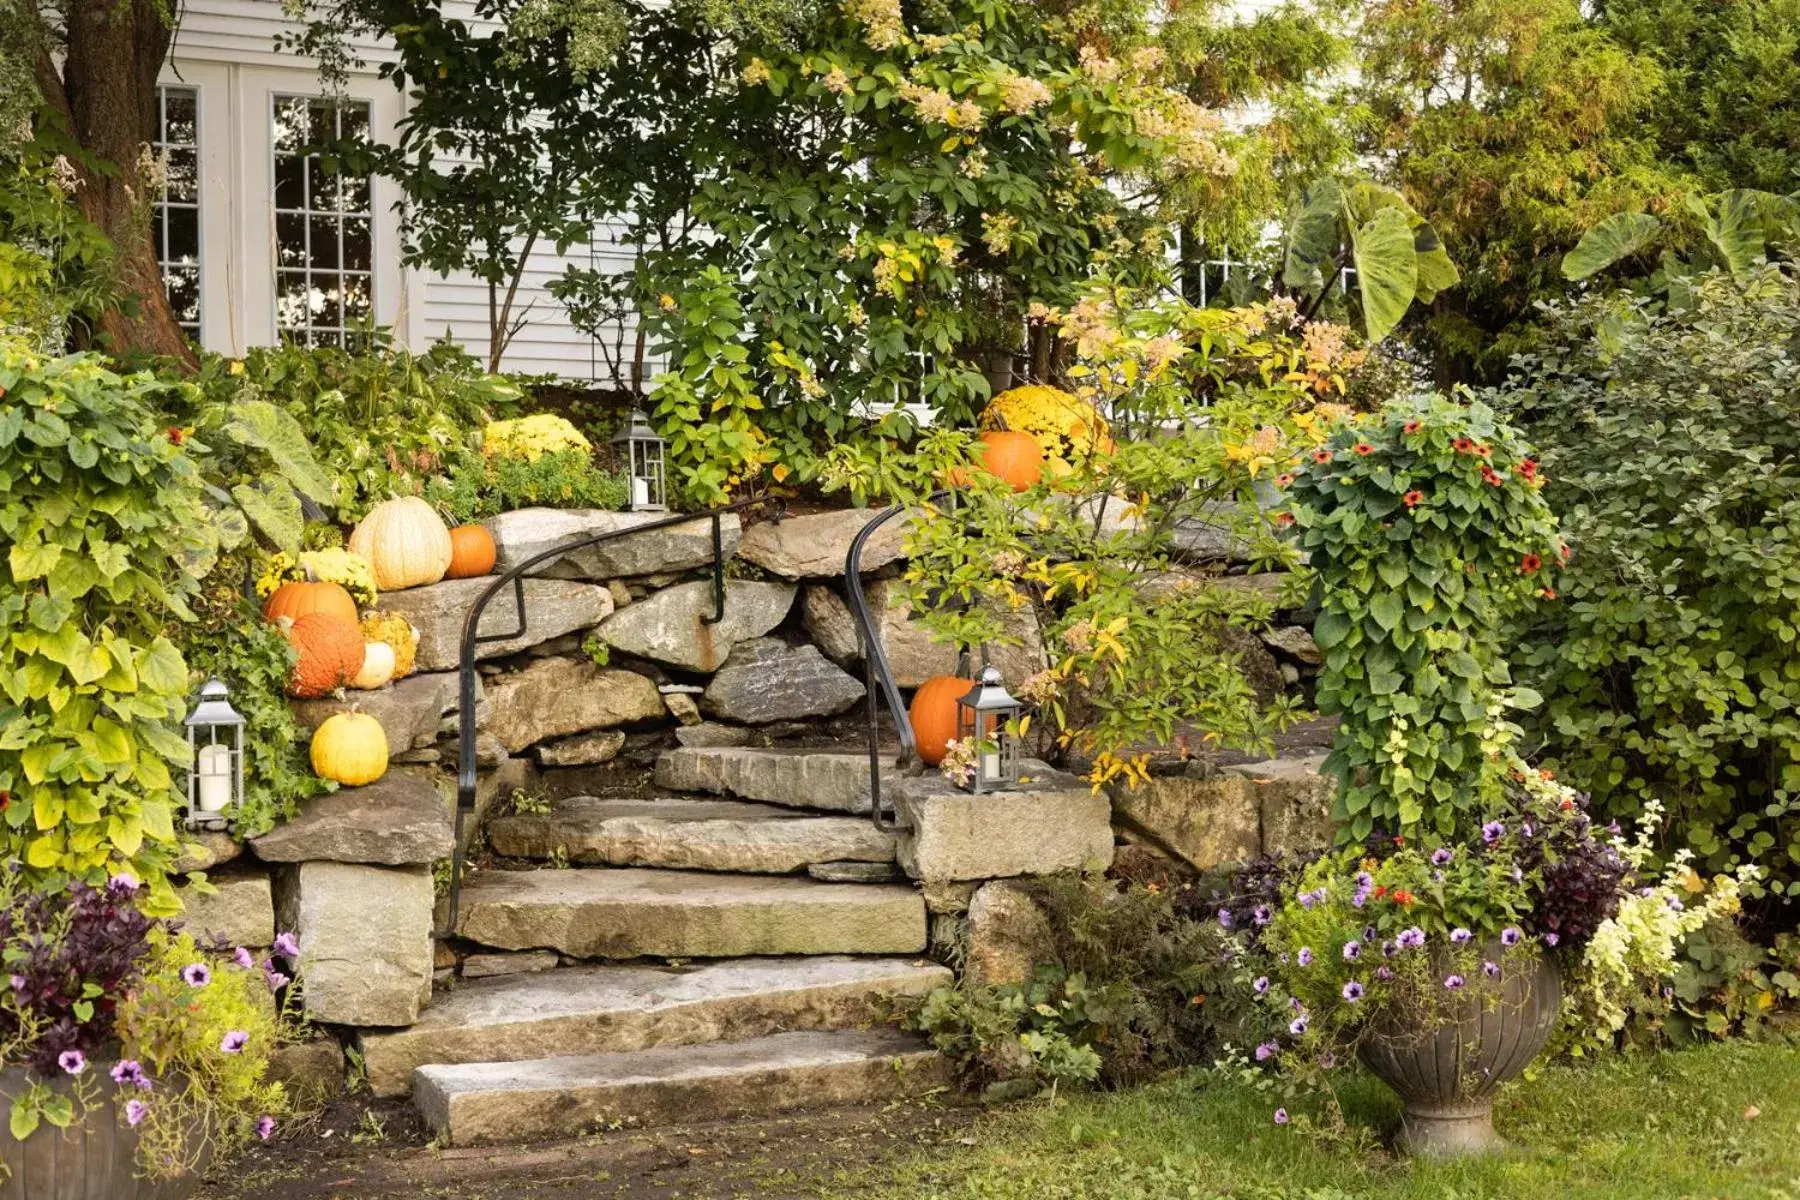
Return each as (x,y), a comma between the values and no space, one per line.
(275,509)
(1733,225)
(1314,238)
(1615,238)
(1387,270)
(263,426)
(1386,609)
(1330,629)
(24,1118)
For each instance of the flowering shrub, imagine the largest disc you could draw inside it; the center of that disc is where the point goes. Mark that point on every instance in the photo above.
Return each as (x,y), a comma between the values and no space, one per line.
(530,438)
(1426,527)
(331,565)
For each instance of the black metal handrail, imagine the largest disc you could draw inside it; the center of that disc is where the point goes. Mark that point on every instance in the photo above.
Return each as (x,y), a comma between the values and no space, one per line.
(472,637)
(879,685)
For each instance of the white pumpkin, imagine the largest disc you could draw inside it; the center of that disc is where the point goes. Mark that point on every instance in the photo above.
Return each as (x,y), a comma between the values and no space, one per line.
(406,543)
(378,666)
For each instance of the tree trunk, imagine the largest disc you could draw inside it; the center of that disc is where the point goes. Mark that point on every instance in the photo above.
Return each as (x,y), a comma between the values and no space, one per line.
(107,93)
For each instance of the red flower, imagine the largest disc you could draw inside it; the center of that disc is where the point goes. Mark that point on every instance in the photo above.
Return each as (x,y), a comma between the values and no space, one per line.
(5,801)
(1413,498)
(1285,480)
(1402,897)
(1399,841)
(1530,563)
(1364,449)
(1380,890)
(1412,427)
(1462,445)
(1566,804)
(1528,467)
(1547,593)
(1491,477)
(1321,455)
(1485,451)
(1563,552)
(1284,519)
(175,435)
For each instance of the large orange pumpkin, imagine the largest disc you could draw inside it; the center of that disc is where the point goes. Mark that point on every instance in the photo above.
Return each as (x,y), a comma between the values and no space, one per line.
(328,653)
(933,715)
(471,552)
(1015,457)
(296,600)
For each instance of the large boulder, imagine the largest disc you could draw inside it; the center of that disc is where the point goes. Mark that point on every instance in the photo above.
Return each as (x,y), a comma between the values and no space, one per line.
(913,656)
(399,820)
(528,532)
(239,910)
(1055,823)
(1009,935)
(673,626)
(1205,822)
(814,546)
(1293,797)
(766,680)
(553,607)
(556,697)
(410,710)
(365,940)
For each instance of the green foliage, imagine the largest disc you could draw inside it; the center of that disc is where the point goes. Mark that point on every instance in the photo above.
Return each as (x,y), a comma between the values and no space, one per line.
(1425,528)
(1670,442)
(381,420)
(104,516)
(478,487)
(1726,985)
(1396,253)
(55,266)
(1732,230)
(230,641)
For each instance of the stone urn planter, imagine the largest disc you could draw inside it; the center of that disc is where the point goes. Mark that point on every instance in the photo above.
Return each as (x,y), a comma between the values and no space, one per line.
(95,1159)
(1448,1072)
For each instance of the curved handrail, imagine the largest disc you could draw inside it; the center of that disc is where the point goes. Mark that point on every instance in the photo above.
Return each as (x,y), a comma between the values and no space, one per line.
(879,677)
(471,637)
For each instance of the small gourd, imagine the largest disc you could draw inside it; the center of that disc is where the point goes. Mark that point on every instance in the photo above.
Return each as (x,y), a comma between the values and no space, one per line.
(472,552)
(328,653)
(350,748)
(405,542)
(377,668)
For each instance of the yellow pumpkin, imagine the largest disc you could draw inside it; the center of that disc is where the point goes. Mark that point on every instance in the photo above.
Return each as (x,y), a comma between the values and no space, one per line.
(405,541)
(350,748)
(377,668)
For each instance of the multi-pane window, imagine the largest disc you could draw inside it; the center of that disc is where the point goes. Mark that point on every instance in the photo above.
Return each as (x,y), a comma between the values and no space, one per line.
(175,217)
(323,246)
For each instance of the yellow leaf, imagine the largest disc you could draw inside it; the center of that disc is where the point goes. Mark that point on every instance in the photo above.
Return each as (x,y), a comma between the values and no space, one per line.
(44,852)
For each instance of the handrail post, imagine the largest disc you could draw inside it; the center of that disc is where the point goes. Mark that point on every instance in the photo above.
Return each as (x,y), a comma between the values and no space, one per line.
(718,566)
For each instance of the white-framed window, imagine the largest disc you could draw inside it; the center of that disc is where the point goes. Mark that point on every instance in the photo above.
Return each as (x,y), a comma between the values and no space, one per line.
(324,224)
(175,216)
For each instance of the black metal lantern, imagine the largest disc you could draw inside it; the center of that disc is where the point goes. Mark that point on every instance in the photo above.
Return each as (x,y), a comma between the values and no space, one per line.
(986,720)
(216,764)
(643,450)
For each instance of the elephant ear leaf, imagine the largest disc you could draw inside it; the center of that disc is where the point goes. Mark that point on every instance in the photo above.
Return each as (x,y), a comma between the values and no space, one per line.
(1387,270)
(273,508)
(1314,237)
(262,426)
(1436,271)
(1734,225)
(1617,237)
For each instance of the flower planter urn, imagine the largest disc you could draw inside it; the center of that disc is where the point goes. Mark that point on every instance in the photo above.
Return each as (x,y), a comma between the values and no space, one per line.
(93,1159)
(1448,1071)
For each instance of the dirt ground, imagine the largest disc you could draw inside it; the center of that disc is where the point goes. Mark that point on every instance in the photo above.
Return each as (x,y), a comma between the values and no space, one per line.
(382,1152)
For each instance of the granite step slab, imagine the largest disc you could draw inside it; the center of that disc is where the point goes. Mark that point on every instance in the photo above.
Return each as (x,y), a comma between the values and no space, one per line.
(618,1008)
(485,1103)
(831,780)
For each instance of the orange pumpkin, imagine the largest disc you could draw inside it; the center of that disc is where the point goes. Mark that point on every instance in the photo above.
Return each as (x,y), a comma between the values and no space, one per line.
(1015,457)
(328,653)
(933,715)
(296,600)
(471,552)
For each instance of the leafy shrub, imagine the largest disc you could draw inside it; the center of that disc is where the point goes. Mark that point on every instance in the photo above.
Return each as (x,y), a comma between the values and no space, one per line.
(55,265)
(1426,526)
(103,513)
(1671,441)
(479,488)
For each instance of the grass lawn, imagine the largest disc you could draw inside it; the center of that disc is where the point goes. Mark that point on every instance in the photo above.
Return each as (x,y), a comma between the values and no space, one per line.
(1722,1121)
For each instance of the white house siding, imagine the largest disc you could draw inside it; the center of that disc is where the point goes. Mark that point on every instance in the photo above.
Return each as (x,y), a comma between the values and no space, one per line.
(226,50)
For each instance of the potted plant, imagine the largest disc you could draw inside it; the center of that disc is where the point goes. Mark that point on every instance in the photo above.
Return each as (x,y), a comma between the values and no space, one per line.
(129,1056)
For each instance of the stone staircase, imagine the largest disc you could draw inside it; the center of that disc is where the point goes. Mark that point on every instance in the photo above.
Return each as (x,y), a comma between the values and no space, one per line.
(788,1002)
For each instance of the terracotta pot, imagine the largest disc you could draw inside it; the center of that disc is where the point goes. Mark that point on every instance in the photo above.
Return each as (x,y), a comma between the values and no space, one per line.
(93,1160)
(1448,1072)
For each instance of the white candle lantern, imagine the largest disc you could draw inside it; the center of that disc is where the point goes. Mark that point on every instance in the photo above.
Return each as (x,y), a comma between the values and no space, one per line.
(986,718)
(216,769)
(642,453)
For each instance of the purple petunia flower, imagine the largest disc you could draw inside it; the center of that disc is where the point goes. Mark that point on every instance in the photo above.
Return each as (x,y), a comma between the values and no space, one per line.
(127,1070)
(1491,970)
(1261,985)
(1525,829)
(1454,982)
(287,945)
(1492,832)
(17,981)
(72,1061)
(1364,880)
(1266,1051)
(1675,904)
(1352,951)
(265,1126)
(243,958)
(1359,898)
(1368,933)
(122,884)
(1441,857)
(1224,918)
(1260,914)
(1510,936)
(1304,958)
(196,975)
(135,1112)
(1298,1025)
(276,980)
(1411,938)
(1389,949)
(1353,991)
(1281,1116)
(1551,938)
(234,1042)
(1460,936)
(1383,974)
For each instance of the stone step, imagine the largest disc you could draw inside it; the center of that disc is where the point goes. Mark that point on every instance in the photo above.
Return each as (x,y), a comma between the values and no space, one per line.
(476,1103)
(613,1009)
(631,912)
(689,834)
(833,780)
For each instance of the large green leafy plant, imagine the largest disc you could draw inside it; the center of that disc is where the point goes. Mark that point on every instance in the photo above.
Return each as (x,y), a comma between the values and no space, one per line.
(1671,440)
(1426,526)
(103,513)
